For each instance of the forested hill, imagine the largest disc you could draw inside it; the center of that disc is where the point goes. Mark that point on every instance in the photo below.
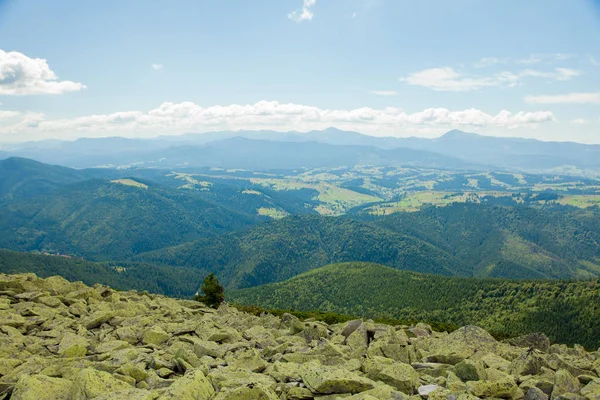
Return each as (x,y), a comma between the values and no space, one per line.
(170,281)
(281,249)
(103,220)
(567,311)
(509,242)
(462,240)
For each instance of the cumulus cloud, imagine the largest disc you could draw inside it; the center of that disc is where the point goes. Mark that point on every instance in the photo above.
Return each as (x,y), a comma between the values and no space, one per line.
(157,66)
(21,75)
(570,98)
(173,118)
(448,79)
(304,13)
(8,114)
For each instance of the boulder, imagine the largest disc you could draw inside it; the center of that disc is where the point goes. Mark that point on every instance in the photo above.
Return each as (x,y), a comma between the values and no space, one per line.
(298,393)
(564,383)
(469,370)
(591,391)
(537,341)
(208,348)
(464,342)
(284,372)
(425,390)
(528,363)
(223,378)
(401,376)
(247,359)
(192,386)
(327,380)
(96,319)
(155,336)
(250,392)
(40,387)
(90,383)
(10,318)
(72,345)
(131,394)
(502,389)
(535,394)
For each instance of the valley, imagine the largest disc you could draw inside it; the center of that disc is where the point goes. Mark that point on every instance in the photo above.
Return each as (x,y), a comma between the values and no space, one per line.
(503,242)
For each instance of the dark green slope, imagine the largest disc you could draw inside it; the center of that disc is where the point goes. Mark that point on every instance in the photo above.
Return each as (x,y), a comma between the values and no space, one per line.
(171,281)
(567,311)
(281,249)
(105,220)
(22,178)
(509,242)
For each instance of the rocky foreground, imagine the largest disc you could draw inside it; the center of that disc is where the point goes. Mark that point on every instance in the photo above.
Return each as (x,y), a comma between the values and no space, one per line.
(62,340)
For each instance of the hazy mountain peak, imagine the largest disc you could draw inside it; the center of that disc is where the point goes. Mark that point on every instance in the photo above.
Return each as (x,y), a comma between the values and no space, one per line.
(456,134)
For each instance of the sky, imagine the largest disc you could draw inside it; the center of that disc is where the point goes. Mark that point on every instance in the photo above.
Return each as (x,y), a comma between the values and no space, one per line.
(143,68)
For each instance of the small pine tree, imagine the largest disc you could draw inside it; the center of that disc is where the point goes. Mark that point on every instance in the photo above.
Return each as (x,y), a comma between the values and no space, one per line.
(214,293)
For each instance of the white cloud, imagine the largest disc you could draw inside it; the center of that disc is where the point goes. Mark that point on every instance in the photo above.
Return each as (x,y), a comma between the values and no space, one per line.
(559,74)
(21,75)
(174,118)
(383,92)
(157,66)
(579,121)
(448,79)
(594,61)
(547,57)
(532,59)
(570,98)
(8,114)
(489,61)
(304,13)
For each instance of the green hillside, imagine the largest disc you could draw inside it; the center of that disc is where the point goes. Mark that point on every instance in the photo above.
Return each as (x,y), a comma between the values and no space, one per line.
(171,281)
(281,249)
(509,242)
(109,220)
(22,178)
(462,240)
(567,311)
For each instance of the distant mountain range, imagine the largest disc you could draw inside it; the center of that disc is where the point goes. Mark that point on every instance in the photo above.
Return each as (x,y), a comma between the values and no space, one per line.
(265,150)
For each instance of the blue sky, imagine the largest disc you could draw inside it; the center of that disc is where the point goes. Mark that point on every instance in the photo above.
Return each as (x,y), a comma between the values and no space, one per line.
(382,67)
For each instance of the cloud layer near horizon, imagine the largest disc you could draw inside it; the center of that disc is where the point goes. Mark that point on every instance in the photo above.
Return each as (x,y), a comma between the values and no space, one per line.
(174,118)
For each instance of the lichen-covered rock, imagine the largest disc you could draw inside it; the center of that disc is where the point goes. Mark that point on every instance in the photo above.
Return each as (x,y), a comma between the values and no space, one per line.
(469,370)
(591,391)
(536,340)
(327,380)
(65,340)
(192,386)
(247,359)
(155,336)
(73,345)
(535,394)
(502,389)
(131,394)
(91,383)
(250,392)
(564,383)
(41,387)
(528,363)
(401,376)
